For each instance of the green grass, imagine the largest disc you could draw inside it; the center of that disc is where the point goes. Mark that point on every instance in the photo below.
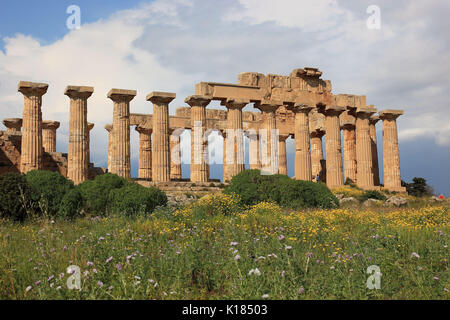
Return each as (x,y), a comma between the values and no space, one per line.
(305,255)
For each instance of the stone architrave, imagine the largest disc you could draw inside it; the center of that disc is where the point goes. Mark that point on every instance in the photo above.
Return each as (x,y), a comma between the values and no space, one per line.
(391,157)
(282,161)
(109,128)
(31,156)
(234,141)
(49,128)
(373,141)
(364,170)
(145,153)
(316,152)
(175,153)
(120,148)
(334,173)
(199,142)
(161,144)
(13,126)
(269,136)
(303,167)
(78,163)
(90,127)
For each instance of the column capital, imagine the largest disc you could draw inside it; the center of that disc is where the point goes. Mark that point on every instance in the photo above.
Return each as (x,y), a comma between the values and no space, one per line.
(235,103)
(108,127)
(268,105)
(374,119)
(13,123)
(143,130)
(32,88)
(158,97)
(121,95)
(390,114)
(300,107)
(283,137)
(81,92)
(198,100)
(319,133)
(348,125)
(90,126)
(50,124)
(330,109)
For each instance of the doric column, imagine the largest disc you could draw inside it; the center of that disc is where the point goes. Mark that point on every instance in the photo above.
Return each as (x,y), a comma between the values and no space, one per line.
(199,142)
(282,161)
(145,152)
(90,126)
(316,152)
(269,136)
(109,128)
(348,126)
(13,126)
(234,156)
(364,170)
(31,156)
(254,145)
(335,177)
(49,135)
(175,153)
(161,146)
(120,148)
(226,176)
(303,167)
(373,141)
(77,164)
(391,158)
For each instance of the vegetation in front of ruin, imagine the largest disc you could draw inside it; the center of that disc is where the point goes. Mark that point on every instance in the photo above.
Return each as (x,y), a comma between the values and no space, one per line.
(229,251)
(253,188)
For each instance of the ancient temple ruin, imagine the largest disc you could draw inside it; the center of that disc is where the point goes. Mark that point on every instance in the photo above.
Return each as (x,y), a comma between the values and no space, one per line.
(300,106)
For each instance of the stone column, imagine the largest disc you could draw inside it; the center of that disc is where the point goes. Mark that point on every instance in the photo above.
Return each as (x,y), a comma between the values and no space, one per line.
(234,156)
(175,153)
(226,176)
(49,135)
(349,132)
(199,143)
(161,147)
(13,126)
(31,156)
(145,152)
(373,141)
(77,164)
(303,167)
(335,177)
(391,158)
(269,136)
(282,154)
(364,170)
(316,152)
(90,126)
(120,148)
(254,154)
(109,128)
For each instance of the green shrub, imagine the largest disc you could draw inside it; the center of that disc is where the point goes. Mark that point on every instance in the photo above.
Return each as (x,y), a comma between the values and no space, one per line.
(71,205)
(371,194)
(96,192)
(15,196)
(134,199)
(49,190)
(254,188)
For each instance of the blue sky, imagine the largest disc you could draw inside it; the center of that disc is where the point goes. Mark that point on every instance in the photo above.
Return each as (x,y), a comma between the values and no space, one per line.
(169,45)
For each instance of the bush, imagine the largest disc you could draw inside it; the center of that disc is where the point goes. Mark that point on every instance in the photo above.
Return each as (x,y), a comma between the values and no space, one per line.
(253,188)
(134,199)
(418,188)
(71,205)
(95,193)
(49,190)
(16,194)
(372,194)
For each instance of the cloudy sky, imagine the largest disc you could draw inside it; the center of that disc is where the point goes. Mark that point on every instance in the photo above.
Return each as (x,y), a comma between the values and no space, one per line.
(169,45)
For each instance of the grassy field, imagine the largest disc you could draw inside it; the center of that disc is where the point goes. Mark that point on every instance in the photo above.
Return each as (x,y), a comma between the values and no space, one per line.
(215,249)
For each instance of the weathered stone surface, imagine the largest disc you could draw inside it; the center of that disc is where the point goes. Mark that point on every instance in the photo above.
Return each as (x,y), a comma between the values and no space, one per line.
(145,153)
(349,200)
(395,201)
(372,203)
(49,128)
(373,141)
